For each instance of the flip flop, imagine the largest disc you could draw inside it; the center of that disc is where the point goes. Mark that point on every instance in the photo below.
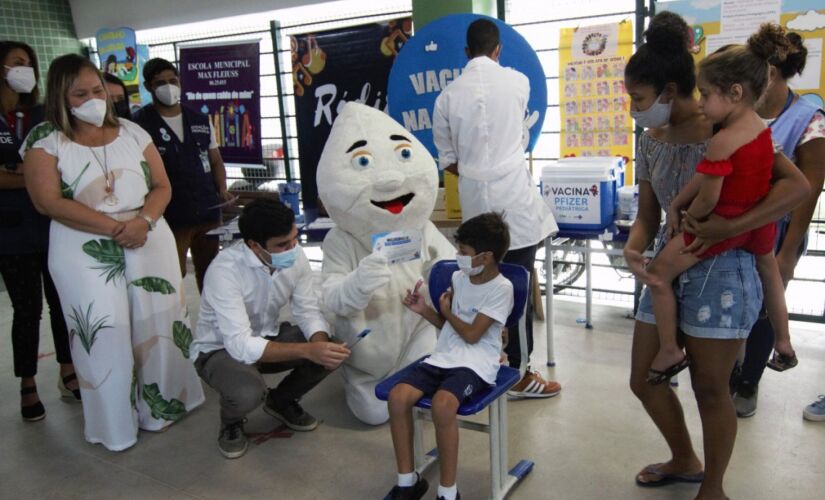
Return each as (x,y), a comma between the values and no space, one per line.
(665,479)
(662,376)
(781,362)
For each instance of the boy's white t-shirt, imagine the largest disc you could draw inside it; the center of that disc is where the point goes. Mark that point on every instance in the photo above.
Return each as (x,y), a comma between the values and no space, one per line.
(494,299)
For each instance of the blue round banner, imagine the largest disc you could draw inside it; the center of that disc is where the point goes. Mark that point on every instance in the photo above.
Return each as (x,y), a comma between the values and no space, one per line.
(435,56)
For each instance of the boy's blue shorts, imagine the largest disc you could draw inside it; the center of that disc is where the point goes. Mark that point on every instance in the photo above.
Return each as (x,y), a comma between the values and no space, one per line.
(463,383)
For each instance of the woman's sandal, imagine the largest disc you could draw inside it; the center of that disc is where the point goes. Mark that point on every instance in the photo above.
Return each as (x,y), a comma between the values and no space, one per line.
(781,362)
(656,377)
(66,394)
(32,412)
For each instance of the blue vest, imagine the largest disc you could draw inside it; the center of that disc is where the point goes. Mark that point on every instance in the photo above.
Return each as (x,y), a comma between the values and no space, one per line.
(787,130)
(187,164)
(22,228)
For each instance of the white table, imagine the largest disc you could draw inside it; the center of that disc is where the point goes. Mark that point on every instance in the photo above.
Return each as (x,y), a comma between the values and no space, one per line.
(560,242)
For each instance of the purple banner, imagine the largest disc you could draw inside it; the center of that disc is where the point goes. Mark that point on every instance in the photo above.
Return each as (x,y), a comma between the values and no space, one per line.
(223,82)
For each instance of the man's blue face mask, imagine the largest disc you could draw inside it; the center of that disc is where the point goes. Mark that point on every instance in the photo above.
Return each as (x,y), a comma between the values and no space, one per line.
(285,259)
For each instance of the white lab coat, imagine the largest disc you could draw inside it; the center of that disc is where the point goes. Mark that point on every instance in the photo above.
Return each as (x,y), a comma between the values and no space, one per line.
(479,123)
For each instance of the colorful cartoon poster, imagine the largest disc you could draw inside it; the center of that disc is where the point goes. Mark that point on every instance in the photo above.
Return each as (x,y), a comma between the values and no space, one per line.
(330,68)
(117,50)
(435,56)
(719,22)
(224,83)
(594,108)
(119,55)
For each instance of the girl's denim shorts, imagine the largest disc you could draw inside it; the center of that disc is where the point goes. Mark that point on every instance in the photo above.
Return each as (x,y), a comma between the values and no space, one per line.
(718,298)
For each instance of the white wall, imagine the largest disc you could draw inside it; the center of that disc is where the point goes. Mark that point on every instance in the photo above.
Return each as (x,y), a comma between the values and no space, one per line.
(91,15)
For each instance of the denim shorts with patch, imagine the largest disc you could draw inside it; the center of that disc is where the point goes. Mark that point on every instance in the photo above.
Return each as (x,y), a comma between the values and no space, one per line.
(463,383)
(718,298)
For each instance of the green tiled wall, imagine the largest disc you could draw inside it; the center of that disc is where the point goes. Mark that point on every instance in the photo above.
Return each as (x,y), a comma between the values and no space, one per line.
(46,25)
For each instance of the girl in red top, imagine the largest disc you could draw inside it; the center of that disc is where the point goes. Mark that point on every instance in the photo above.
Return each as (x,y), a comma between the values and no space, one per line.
(733,177)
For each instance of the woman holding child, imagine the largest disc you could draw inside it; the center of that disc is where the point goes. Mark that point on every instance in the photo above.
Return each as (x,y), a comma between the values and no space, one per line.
(717,299)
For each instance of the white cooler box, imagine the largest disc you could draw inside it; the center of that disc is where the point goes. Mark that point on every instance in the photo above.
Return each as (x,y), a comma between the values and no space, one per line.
(582,192)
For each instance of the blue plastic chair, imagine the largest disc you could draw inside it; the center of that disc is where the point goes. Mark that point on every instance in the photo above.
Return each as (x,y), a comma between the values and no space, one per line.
(502,480)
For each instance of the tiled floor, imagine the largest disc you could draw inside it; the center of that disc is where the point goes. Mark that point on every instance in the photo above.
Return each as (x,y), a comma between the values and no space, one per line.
(587,443)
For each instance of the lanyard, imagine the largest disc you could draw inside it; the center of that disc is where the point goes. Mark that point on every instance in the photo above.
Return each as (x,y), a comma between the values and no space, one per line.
(788,103)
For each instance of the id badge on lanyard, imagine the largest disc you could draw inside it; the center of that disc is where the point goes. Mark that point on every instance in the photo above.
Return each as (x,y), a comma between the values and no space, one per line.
(205,160)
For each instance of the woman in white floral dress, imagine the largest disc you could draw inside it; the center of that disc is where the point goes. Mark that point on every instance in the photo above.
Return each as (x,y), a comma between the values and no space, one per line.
(113,258)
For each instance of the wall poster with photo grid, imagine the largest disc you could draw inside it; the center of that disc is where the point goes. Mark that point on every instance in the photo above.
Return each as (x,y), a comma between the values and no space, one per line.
(595,118)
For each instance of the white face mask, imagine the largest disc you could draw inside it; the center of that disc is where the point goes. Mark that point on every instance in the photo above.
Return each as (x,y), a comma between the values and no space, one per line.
(92,111)
(657,115)
(465,263)
(21,79)
(168,94)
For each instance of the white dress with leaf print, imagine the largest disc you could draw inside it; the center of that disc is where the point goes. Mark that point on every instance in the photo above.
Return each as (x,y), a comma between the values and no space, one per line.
(128,324)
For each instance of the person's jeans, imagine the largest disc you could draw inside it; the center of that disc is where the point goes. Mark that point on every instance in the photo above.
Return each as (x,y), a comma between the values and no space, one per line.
(241,386)
(525,257)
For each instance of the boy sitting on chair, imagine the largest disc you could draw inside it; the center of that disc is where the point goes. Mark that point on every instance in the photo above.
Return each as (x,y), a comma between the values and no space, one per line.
(466,358)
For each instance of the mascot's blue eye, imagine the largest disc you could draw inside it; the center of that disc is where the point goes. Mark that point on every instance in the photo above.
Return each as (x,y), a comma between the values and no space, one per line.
(404,154)
(361,160)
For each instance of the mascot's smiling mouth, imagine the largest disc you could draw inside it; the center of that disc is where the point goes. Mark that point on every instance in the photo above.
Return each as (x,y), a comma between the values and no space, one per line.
(396,205)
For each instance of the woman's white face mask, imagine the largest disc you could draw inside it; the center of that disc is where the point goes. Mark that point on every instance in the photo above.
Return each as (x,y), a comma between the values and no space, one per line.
(657,115)
(21,79)
(92,111)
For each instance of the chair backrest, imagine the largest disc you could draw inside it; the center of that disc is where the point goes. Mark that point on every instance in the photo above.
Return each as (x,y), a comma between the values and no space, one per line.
(441,279)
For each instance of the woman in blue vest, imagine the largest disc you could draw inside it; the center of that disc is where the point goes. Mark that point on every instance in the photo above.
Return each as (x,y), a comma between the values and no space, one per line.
(25,235)
(798,126)
(186,142)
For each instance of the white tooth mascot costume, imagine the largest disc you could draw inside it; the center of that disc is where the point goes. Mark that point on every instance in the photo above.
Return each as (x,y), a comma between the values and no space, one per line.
(375,176)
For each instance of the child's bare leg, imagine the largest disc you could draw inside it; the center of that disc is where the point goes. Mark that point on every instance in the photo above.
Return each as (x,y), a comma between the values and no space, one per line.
(667,265)
(400,402)
(445,408)
(774,291)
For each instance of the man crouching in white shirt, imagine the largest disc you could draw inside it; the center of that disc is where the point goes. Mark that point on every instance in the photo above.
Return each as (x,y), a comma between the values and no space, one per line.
(238,335)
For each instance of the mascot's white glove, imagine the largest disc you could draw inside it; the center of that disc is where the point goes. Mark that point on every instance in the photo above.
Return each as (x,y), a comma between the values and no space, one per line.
(351,293)
(372,273)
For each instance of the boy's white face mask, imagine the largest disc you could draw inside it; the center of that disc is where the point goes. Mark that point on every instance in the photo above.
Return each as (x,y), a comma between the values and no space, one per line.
(465,263)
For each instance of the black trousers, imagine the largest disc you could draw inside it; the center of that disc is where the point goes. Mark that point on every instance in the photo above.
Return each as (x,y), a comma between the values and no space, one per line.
(759,345)
(525,257)
(757,351)
(23,275)
(241,386)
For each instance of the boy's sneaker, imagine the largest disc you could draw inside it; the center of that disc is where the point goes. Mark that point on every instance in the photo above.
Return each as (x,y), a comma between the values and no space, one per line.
(745,400)
(232,441)
(532,385)
(293,415)
(815,411)
(413,492)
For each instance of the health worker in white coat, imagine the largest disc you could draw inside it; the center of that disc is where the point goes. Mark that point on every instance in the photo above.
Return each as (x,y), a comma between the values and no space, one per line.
(479,129)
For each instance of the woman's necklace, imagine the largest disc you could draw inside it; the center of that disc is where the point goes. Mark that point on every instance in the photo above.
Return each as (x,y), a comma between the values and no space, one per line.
(110,199)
